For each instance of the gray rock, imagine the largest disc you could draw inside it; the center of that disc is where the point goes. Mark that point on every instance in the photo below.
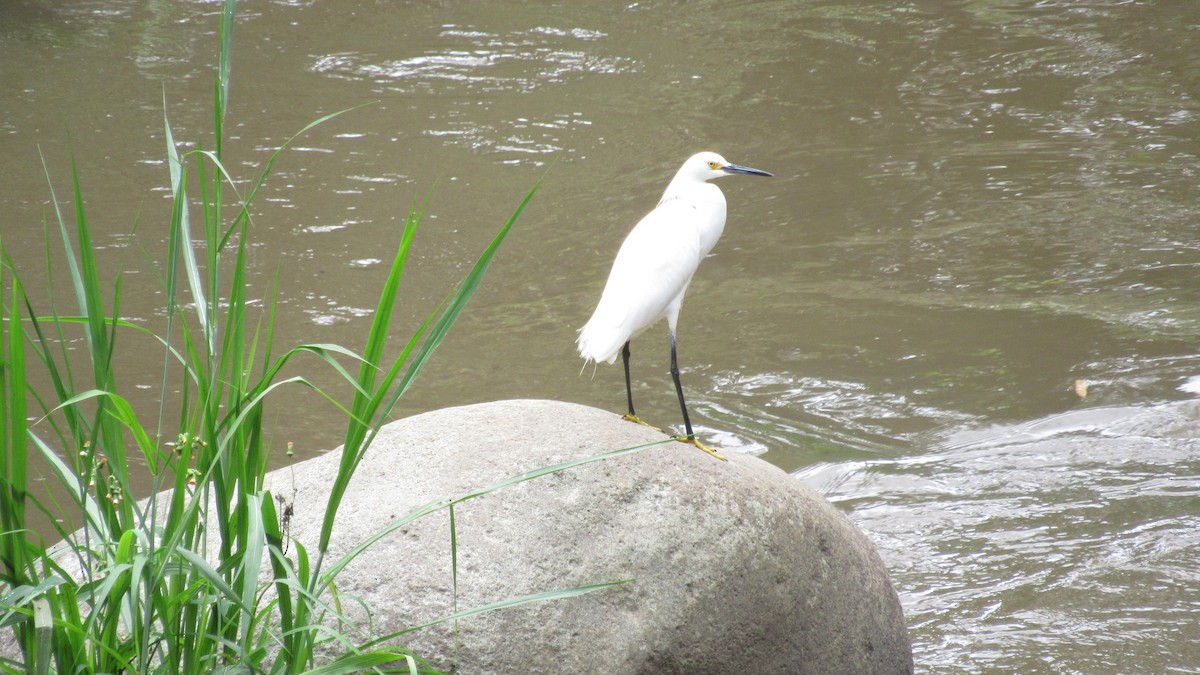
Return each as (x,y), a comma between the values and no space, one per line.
(735,566)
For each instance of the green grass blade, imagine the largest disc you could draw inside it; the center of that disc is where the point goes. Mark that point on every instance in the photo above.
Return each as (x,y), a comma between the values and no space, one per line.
(91,305)
(149,602)
(43,623)
(180,242)
(357,663)
(527,599)
(13,445)
(251,562)
(504,604)
(439,504)
(281,567)
(67,478)
(328,577)
(72,263)
(555,468)
(459,301)
(213,577)
(358,438)
(365,400)
(224,68)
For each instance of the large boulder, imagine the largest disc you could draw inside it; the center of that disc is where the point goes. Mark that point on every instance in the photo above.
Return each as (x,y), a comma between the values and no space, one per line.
(734,566)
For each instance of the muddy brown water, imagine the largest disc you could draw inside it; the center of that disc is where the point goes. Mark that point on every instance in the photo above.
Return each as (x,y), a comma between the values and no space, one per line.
(975,205)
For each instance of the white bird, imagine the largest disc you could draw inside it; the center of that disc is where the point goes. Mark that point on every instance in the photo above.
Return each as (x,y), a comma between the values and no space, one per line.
(654,267)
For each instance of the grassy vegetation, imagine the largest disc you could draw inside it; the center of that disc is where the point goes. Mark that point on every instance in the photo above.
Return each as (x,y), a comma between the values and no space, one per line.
(174,585)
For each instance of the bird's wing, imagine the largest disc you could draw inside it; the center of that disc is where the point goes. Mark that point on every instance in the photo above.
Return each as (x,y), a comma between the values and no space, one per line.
(652,268)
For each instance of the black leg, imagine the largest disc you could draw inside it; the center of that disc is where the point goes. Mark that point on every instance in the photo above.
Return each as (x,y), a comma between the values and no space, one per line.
(687,423)
(628,387)
(631,416)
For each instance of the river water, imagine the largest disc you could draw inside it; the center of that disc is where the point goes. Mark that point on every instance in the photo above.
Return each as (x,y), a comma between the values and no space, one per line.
(976,205)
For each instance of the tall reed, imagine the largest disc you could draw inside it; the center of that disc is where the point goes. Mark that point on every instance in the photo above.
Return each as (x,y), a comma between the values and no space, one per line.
(173,584)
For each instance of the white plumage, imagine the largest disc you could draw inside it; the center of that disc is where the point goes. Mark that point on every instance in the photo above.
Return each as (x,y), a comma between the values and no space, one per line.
(655,265)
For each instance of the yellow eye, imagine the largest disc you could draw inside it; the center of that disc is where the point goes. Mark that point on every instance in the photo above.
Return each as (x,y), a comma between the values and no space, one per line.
(714,165)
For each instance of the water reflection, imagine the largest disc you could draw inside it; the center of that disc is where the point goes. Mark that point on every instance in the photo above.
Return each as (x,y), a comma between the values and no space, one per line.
(480,61)
(976,204)
(476,63)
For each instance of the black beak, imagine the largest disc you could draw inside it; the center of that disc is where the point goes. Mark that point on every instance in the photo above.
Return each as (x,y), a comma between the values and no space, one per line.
(734,168)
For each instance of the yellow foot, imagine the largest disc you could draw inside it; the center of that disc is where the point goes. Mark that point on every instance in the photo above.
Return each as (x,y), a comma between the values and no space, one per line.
(698,444)
(634,418)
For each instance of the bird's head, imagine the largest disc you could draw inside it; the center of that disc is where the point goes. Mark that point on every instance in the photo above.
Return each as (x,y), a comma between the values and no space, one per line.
(706,166)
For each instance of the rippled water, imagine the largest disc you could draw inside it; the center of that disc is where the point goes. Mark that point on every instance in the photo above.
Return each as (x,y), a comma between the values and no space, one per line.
(1063,545)
(976,205)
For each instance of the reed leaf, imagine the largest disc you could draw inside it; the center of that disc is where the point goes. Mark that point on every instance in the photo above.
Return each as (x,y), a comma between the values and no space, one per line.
(174,585)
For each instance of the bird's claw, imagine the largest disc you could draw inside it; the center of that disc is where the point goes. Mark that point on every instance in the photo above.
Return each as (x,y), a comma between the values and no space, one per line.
(694,441)
(630,417)
(690,440)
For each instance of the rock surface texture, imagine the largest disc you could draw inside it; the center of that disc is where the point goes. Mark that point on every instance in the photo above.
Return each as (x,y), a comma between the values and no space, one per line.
(736,567)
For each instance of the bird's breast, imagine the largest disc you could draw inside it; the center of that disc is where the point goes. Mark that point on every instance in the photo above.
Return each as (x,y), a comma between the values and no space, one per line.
(709,218)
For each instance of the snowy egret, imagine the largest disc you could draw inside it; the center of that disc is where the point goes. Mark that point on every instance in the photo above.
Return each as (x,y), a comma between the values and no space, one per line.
(654,267)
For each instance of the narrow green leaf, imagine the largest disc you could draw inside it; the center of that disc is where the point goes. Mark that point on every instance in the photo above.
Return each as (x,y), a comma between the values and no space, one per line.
(556,468)
(213,577)
(365,402)
(504,604)
(72,263)
(181,242)
(459,301)
(328,576)
(43,622)
(357,663)
(224,65)
(251,562)
(13,460)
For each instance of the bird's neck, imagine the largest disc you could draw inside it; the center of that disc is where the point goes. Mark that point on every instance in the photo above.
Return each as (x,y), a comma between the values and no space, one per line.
(687,188)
